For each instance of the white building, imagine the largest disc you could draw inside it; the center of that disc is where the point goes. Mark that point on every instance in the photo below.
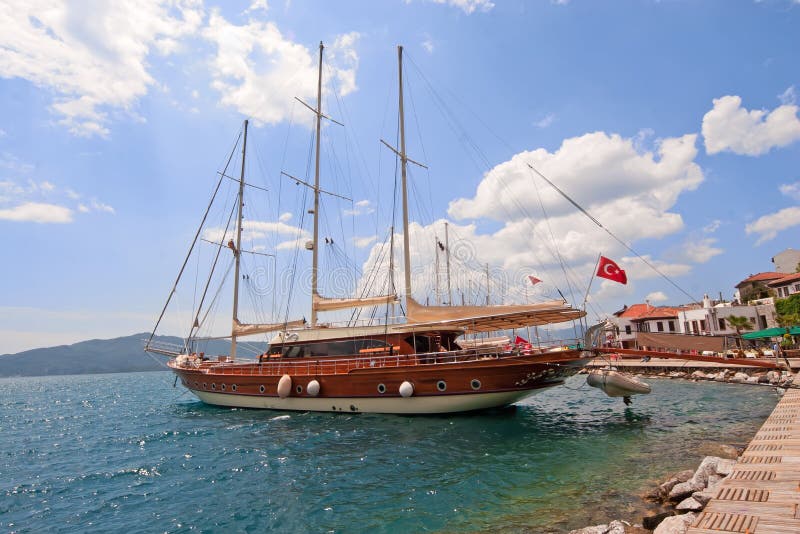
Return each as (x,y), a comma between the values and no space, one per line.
(787,261)
(711,319)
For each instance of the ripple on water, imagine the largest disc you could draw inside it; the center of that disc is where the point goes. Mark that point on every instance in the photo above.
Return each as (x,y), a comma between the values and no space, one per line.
(106,452)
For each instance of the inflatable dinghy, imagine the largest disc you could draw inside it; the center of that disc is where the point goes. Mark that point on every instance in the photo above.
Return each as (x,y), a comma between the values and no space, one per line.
(616,384)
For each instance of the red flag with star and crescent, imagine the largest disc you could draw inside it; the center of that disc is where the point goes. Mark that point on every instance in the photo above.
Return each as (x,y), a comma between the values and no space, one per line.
(609,270)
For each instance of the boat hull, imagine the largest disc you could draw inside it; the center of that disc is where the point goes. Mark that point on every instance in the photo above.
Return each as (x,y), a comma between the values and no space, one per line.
(448,387)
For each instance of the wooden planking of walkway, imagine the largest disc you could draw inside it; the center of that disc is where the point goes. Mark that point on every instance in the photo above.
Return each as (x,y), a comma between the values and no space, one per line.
(762,494)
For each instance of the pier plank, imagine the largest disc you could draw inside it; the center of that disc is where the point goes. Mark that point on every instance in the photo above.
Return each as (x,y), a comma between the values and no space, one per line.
(762,494)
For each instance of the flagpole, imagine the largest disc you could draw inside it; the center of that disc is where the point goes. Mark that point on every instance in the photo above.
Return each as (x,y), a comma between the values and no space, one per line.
(594,272)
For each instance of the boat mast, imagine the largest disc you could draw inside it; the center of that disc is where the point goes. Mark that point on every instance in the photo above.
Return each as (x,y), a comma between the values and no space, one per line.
(238,247)
(315,252)
(447,259)
(403,165)
(436,270)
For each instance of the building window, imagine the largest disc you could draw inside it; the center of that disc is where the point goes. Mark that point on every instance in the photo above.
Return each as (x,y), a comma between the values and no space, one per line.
(703,325)
(660,326)
(686,327)
(628,329)
(694,327)
(722,324)
(752,320)
(672,326)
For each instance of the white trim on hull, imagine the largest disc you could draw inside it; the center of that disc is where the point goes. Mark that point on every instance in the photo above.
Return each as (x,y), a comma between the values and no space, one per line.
(394,405)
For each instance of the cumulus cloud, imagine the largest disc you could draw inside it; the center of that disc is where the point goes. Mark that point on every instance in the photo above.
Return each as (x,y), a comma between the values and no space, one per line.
(545,121)
(604,173)
(730,127)
(37,212)
(656,296)
(700,250)
(789,96)
(91,56)
(363,242)
(254,230)
(631,191)
(34,201)
(362,207)
(258,71)
(791,190)
(467,6)
(768,226)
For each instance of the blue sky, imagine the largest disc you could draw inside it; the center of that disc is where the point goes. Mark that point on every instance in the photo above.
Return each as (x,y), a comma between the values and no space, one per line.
(675,123)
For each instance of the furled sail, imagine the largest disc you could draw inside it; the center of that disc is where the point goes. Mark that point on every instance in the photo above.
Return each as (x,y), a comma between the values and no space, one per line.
(489,318)
(328,304)
(241,329)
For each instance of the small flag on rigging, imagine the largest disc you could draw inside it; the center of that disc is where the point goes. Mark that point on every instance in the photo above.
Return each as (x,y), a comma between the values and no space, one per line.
(533,280)
(609,270)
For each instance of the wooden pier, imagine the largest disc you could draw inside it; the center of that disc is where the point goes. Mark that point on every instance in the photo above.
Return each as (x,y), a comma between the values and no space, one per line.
(762,494)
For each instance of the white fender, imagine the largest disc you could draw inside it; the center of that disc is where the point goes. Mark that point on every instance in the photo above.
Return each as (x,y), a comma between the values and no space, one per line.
(284,386)
(406,389)
(313,388)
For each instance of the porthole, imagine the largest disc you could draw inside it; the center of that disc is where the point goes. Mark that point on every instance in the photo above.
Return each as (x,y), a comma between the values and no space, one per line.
(261,389)
(441,385)
(299,389)
(476,384)
(233,387)
(381,388)
(213,385)
(222,387)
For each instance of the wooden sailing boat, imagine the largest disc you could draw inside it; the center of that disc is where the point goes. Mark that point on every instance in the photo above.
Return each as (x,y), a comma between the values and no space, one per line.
(411,368)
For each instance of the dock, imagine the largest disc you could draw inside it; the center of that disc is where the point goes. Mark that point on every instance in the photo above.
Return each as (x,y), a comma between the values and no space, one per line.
(762,494)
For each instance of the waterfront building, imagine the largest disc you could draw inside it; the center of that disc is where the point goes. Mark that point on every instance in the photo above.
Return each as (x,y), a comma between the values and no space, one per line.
(787,261)
(786,286)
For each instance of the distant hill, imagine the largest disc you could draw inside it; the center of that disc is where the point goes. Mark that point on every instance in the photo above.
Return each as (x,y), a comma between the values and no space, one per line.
(118,355)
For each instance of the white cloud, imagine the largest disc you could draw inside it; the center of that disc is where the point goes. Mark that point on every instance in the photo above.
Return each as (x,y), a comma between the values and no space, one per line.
(604,173)
(363,242)
(285,217)
(467,6)
(428,45)
(100,206)
(46,186)
(656,296)
(700,250)
(3,133)
(258,5)
(254,230)
(37,212)
(83,208)
(730,127)
(768,226)
(362,207)
(545,121)
(72,194)
(712,227)
(791,190)
(789,96)
(91,56)
(258,71)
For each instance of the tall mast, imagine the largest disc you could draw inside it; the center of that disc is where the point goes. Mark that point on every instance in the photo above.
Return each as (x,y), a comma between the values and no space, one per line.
(315,252)
(238,247)
(403,164)
(436,270)
(447,257)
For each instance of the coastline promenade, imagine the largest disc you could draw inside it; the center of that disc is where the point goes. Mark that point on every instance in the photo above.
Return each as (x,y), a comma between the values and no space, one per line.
(762,494)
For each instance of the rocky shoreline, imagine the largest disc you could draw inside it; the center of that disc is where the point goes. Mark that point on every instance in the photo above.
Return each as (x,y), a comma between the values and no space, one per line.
(684,494)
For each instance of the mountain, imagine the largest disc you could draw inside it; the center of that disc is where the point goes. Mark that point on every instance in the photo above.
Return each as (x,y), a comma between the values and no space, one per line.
(119,355)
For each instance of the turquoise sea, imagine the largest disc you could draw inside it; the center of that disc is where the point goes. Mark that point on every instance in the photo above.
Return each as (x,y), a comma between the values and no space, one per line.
(109,453)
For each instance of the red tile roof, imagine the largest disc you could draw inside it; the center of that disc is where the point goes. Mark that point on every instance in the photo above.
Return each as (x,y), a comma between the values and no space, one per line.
(639,312)
(785,280)
(761,277)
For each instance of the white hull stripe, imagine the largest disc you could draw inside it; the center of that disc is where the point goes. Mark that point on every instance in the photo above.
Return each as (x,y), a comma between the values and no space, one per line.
(395,405)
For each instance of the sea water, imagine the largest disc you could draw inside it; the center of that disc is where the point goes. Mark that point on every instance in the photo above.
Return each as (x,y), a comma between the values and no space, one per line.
(128,452)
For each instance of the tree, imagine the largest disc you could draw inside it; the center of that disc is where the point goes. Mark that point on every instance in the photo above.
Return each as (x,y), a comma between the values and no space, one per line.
(739,323)
(788,310)
(758,290)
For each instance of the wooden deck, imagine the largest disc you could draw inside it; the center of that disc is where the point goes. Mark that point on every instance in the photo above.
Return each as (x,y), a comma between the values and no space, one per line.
(762,494)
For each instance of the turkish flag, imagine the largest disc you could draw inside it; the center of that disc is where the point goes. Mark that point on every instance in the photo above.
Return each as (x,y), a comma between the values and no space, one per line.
(611,271)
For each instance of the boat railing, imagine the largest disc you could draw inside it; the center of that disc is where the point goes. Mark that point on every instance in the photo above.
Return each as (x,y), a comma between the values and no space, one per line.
(309,366)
